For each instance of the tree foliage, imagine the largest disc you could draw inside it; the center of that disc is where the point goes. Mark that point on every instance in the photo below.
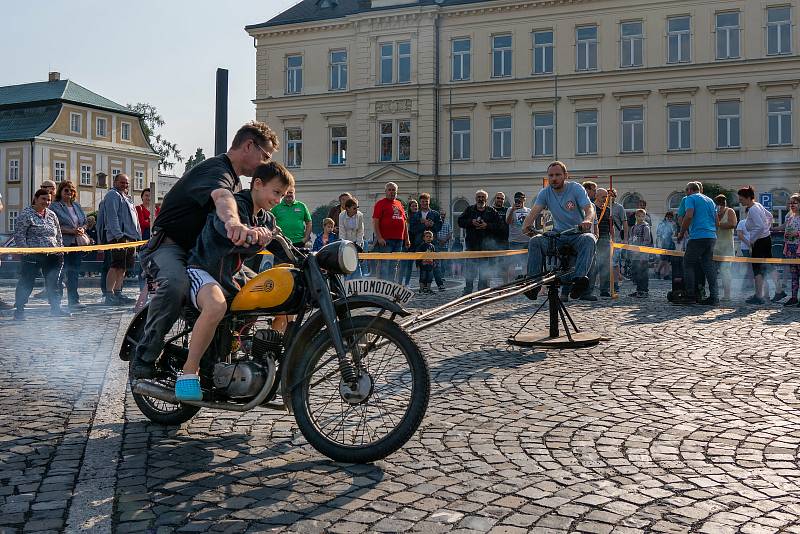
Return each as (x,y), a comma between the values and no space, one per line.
(318,215)
(194,160)
(151,121)
(711,190)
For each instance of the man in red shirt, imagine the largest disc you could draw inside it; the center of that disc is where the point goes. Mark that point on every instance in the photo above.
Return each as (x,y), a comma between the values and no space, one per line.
(391,231)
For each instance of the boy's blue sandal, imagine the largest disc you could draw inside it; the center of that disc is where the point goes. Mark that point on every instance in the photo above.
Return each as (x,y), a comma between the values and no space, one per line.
(187,388)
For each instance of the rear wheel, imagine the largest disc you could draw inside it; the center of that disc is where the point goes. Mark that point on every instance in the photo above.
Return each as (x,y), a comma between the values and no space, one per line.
(169,364)
(386,408)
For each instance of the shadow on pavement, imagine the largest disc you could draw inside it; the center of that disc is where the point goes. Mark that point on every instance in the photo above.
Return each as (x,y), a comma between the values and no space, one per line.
(478,365)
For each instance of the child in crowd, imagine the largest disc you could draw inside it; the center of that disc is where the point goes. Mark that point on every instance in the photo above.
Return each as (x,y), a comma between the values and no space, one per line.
(215,253)
(640,235)
(426,266)
(327,235)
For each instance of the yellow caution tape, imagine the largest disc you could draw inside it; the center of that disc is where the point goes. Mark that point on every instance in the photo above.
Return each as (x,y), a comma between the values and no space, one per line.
(731,259)
(56,250)
(468,254)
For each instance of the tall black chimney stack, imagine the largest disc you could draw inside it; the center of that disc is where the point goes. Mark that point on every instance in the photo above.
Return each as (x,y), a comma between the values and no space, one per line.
(221,118)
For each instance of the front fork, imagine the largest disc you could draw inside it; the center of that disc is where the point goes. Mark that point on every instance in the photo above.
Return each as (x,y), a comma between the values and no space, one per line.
(322,294)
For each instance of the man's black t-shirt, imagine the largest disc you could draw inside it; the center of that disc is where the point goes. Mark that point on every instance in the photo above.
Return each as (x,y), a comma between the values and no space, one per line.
(186,206)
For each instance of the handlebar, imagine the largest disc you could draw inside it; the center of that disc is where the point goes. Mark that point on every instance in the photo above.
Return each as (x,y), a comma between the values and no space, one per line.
(289,249)
(552,233)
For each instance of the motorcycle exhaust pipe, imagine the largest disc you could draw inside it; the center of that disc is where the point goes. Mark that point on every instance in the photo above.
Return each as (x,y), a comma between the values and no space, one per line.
(156,391)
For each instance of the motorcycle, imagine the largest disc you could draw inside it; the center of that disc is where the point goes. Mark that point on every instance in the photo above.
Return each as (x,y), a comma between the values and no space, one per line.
(355,381)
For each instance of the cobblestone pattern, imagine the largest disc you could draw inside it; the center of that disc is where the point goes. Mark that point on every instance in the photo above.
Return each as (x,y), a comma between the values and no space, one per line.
(684,421)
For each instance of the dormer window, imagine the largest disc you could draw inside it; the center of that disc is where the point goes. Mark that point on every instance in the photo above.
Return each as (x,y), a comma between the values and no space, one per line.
(323,4)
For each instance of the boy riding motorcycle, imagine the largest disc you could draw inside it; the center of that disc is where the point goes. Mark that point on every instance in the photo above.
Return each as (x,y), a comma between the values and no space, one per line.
(215,260)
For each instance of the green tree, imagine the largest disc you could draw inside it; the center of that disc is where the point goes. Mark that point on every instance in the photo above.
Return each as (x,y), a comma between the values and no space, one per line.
(317,216)
(194,160)
(711,190)
(151,121)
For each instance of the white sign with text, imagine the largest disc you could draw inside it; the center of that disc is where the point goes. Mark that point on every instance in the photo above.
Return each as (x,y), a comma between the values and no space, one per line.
(379,288)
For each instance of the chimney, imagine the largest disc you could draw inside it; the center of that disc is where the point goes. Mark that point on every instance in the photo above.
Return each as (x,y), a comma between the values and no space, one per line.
(53,76)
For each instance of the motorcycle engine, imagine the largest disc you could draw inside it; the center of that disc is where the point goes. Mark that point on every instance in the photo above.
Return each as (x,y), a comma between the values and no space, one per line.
(245,379)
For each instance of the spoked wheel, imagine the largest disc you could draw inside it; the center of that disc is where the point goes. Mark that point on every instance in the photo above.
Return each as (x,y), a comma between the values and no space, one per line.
(387,405)
(157,410)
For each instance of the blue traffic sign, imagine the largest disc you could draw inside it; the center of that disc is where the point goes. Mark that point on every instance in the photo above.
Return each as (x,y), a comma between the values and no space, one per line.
(765,199)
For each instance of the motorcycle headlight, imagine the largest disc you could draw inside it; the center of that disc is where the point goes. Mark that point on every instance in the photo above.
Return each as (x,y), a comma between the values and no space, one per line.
(339,257)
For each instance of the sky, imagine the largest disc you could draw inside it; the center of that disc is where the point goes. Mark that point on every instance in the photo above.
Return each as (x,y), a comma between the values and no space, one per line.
(163,52)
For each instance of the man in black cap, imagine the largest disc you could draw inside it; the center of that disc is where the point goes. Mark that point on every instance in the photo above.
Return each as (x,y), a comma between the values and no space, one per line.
(517,238)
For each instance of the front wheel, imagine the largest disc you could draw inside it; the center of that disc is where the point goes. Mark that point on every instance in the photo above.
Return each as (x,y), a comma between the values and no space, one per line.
(385,409)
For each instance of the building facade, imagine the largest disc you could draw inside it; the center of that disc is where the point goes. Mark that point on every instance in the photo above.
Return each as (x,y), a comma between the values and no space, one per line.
(59,130)
(458,95)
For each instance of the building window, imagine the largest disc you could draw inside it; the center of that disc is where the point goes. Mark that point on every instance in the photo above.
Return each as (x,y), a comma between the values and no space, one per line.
(779,118)
(338,145)
(586,47)
(501,137)
(728,124)
(59,171)
(86,174)
(126,131)
(101,127)
(294,74)
(75,123)
(386,140)
(114,173)
(728,35)
(338,59)
(586,132)
(404,62)
(387,62)
(679,117)
(631,44)
(543,134)
(501,56)
(462,51)
(460,144)
(12,220)
(294,147)
(138,180)
(633,129)
(779,31)
(679,39)
(404,140)
(543,52)
(13,170)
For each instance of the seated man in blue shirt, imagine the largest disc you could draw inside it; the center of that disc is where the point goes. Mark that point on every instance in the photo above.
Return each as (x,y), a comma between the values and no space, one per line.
(569,206)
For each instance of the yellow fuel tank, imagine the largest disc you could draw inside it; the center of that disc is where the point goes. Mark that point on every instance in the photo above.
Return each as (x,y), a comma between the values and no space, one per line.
(275,289)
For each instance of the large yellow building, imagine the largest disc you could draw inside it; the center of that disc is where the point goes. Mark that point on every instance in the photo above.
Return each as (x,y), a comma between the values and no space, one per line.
(482,94)
(59,130)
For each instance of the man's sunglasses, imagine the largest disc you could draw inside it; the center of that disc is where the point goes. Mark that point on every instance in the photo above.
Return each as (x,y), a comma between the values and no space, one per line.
(268,156)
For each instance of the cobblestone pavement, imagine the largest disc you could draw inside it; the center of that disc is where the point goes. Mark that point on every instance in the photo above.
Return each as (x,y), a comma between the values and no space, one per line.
(685,420)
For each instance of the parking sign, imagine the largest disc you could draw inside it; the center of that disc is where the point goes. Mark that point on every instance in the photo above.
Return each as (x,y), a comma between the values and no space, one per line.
(765,199)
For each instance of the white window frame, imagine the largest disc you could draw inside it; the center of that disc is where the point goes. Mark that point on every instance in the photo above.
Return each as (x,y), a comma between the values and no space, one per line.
(462,59)
(122,129)
(294,148)
(13,170)
(382,66)
(506,148)
(679,124)
(729,119)
(12,220)
(403,136)
(784,122)
(543,53)
(340,142)
(138,180)
(543,136)
(779,27)
(114,173)
(97,130)
(506,55)
(86,174)
(731,33)
(584,49)
(339,68)
(403,57)
(75,122)
(385,136)
(589,128)
(680,36)
(59,171)
(632,131)
(294,75)
(461,139)
(628,46)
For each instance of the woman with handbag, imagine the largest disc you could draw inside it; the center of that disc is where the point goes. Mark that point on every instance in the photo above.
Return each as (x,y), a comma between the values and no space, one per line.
(73,229)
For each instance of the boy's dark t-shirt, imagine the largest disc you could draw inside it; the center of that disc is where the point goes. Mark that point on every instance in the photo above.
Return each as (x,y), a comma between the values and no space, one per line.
(186,206)
(217,255)
(426,264)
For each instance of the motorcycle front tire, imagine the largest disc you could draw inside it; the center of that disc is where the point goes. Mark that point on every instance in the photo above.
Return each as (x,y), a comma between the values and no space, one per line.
(402,432)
